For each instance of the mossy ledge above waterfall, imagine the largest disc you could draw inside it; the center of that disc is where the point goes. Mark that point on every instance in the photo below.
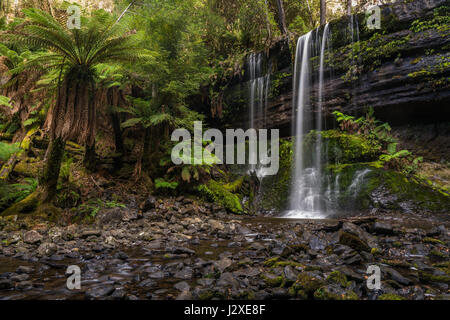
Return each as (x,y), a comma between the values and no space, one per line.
(356,178)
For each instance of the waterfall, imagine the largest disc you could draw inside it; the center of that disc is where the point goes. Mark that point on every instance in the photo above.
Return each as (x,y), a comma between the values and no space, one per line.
(307,198)
(259,86)
(314,195)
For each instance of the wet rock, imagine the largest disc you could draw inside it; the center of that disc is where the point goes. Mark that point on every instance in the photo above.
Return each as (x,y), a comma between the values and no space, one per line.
(290,274)
(279,293)
(223,264)
(24,286)
(129,215)
(32,237)
(121,256)
(90,233)
(148,204)
(437,231)
(182,286)
(317,243)
(353,241)
(185,274)
(397,277)
(118,294)
(248,272)
(148,283)
(350,274)
(47,249)
(6,284)
(205,282)
(24,269)
(157,275)
(216,225)
(383,228)
(100,291)
(20,277)
(181,250)
(227,280)
(185,295)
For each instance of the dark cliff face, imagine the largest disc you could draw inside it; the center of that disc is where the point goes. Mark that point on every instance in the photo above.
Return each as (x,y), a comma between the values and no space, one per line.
(402,70)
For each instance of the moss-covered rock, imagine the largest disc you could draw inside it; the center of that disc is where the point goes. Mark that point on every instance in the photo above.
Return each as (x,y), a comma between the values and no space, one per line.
(341,147)
(390,296)
(339,278)
(331,293)
(353,241)
(220,193)
(306,285)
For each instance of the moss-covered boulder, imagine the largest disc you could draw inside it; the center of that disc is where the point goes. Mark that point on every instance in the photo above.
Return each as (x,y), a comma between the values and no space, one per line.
(368,185)
(222,194)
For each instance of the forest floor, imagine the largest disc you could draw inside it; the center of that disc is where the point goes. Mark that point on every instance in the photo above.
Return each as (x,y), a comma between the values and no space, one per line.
(178,248)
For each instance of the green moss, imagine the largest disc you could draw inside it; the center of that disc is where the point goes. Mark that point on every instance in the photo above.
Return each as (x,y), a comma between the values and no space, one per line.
(27,205)
(427,277)
(433,241)
(211,294)
(338,278)
(216,192)
(27,168)
(325,294)
(376,251)
(353,241)
(341,147)
(436,254)
(305,285)
(390,296)
(273,281)
(287,263)
(235,186)
(397,263)
(271,262)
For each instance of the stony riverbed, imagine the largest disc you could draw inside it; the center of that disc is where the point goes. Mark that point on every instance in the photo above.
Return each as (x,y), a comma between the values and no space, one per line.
(178,249)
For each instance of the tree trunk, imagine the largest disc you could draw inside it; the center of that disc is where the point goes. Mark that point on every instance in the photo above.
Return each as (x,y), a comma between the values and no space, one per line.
(114,100)
(323,12)
(349,7)
(281,17)
(118,141)
(48,181)
(90,158)
(147,148)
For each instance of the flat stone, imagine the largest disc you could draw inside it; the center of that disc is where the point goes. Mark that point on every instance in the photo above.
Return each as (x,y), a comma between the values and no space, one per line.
(223,264)
(32,237)
(396,276)
(100,291)
(182,286)
(383,228)
(90,233)
(185,274)
(24,269)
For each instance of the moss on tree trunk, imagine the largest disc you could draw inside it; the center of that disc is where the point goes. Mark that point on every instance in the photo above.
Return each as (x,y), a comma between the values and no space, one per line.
(48,181)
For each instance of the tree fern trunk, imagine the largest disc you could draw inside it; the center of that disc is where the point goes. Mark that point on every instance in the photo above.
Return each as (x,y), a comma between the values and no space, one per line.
(48,181)
(90,158)
(146,156)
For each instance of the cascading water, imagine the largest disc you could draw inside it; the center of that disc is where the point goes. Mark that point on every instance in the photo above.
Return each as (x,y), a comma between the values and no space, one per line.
(307,198)
(259,86)
(313,194)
